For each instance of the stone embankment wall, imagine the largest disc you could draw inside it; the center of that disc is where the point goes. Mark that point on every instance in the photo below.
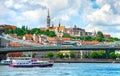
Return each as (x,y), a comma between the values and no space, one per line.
(57,60)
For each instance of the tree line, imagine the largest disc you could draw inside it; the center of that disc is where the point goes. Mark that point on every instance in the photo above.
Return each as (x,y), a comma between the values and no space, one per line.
(54,55)
(99,37)
(102,55)
(24,30)
(93,55)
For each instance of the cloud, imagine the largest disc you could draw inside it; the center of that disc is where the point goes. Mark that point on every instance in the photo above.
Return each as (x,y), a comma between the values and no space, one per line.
(91,15)
(106,17)
(9,3)
(29,12)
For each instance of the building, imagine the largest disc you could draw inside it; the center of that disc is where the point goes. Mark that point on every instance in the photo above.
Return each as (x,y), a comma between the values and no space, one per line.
(3,42)
(94,33)
(28,37)
(89,33)
(77,31)
(61,30)
(106,35)
(7,26)
(68,30)
(38,39)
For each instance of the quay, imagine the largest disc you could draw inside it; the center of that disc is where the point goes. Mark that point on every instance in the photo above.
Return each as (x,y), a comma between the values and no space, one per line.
(58,60)
(87,61)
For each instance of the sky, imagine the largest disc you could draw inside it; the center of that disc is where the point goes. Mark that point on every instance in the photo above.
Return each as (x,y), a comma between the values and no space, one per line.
(99,15)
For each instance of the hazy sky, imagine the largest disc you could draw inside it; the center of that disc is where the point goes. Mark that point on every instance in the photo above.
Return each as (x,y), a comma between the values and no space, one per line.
(99,15)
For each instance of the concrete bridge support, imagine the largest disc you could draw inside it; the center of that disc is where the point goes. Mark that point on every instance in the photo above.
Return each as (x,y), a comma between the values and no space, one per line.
(3,56)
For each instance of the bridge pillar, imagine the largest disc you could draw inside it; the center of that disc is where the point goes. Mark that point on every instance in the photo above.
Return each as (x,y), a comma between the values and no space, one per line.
(81,54)
(3,56)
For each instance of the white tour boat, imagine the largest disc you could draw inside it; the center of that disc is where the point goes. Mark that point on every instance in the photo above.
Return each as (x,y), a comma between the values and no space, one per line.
(30,63)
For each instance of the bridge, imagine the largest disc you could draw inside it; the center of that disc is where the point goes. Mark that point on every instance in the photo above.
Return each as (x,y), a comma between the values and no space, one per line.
(35,47)
(56,48)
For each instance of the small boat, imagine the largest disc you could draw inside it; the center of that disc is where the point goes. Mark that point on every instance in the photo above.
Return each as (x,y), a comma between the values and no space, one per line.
(30,63)
(6,62)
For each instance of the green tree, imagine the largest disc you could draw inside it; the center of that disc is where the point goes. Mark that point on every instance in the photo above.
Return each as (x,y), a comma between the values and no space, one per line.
(52,34)
(98,54)
(33,54)
(59,54)
(8,31)
(94,54)
(112,55)
(72,54)
(46,32)
(100,34)
(89,38)
(118,55)
(66,36)
(29,55)
(35,31)
(24,55)
(86,55)
(25,29)
(101,54)
(66,55)
(18,31)
(50,54)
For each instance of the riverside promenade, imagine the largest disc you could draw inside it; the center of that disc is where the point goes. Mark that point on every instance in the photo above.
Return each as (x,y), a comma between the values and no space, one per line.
(57,60)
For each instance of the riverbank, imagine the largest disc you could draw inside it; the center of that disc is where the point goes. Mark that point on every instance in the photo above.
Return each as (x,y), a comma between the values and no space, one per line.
(82,60)
(87,61)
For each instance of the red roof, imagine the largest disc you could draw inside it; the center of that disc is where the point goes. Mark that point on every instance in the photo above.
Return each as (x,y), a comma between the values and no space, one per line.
(8,26)
(106,34)
(43,29)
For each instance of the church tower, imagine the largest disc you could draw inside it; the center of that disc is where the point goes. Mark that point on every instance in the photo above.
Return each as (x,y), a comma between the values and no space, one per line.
(59,23)
(48,20)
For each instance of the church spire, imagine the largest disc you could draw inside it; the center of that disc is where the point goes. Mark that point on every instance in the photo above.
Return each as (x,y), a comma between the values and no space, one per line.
(59,23)
(48,12)
(48,20)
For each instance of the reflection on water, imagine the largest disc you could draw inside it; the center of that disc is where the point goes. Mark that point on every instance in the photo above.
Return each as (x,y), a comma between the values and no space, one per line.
(65,69)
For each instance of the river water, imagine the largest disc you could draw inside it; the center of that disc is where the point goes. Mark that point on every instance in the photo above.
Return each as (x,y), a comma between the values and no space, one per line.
(65,69)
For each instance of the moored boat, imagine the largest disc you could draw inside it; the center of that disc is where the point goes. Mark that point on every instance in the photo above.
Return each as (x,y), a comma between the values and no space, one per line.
(30,63)
(9,60)
(6,62)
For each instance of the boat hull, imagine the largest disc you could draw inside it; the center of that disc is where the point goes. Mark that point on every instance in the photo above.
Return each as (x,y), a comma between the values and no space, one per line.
(4,64)
(33,65)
